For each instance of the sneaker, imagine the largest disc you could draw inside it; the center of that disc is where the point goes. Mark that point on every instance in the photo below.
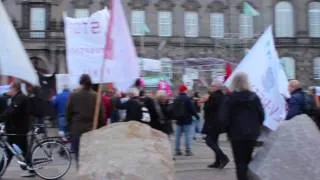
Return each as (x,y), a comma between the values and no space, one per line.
(178,153)
(214,165)
(28,174)
(189,153)
(223,163)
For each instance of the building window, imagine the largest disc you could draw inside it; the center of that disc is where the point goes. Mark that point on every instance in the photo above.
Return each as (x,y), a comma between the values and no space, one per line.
(165,23)
(289,67)
(284,19)
(138,20)
(217,25)
(81,13)
(166,67)
(314,19)
(246,26)
(191,24)
(37,22)
(316,68)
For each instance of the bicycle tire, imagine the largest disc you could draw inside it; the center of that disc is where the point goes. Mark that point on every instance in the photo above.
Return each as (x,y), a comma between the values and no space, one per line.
(47,143)
(3,161)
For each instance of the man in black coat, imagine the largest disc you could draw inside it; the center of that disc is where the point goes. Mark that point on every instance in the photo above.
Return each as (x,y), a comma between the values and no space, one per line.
(213,126)
(16,118)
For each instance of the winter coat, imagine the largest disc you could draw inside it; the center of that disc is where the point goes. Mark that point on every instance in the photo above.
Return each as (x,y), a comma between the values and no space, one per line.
(60,103)
(244,115)
(80,112)
(133,109)
(190,109)
(212,109)
(16,116)
(295,104)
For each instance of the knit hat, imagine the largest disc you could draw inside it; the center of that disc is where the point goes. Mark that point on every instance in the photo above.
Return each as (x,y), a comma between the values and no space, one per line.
(183,88)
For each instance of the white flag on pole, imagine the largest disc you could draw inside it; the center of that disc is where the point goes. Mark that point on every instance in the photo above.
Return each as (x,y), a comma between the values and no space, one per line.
(121,59)
(14,60)
(262,66)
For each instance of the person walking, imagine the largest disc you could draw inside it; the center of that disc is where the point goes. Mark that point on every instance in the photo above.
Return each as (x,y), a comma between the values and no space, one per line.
(162,108)
(183,111)
(16,119)
(213,126)
(60,105)
(244,115)
(80,112)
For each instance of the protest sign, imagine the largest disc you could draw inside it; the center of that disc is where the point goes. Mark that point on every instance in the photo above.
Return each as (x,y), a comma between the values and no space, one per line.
(85,42)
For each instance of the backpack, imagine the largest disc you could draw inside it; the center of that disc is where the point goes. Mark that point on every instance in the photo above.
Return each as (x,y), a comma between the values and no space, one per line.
(144,111)
(179,110)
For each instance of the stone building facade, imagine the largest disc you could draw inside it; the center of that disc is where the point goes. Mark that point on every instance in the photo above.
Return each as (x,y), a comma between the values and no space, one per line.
(295,43)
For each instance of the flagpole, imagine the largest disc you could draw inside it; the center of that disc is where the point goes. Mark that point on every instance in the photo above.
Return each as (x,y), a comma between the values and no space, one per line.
(99,93)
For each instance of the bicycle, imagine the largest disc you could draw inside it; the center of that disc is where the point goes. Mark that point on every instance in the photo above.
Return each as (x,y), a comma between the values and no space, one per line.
(41,152)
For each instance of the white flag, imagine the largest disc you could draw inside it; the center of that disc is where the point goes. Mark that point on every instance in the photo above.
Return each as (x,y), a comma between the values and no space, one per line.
(14,60)
(121,59)
(262,66)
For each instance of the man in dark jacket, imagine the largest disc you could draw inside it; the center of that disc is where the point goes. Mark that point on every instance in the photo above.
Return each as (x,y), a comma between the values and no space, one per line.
(132,106)
(16,118)
(184,123)
(36,106)
(296,101)
(213,124)
(80,112)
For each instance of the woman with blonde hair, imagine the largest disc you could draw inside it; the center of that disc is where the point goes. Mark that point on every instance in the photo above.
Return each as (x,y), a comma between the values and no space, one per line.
(244,119)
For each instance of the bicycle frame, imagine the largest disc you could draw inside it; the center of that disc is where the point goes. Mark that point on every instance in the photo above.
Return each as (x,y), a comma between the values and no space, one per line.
(21,160)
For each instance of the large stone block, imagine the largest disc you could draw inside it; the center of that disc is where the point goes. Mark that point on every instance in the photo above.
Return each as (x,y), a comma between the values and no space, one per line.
(290,153)
(126,151)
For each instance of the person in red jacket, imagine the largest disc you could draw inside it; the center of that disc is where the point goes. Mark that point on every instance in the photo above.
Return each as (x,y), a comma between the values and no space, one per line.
(106,102)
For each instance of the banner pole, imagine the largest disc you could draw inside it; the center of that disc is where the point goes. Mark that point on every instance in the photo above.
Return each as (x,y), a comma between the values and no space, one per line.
(107,54)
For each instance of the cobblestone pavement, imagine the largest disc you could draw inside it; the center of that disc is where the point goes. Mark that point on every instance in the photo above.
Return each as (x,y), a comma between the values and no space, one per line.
(187,168)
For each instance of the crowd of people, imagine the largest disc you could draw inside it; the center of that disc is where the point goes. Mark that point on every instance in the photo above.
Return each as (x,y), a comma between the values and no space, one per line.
(236,111)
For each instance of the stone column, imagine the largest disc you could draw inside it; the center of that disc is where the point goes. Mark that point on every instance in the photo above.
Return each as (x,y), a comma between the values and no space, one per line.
(52,60)
(61,61)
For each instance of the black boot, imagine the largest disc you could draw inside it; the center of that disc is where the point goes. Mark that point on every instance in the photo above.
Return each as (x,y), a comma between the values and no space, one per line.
(214,165)
(224,162)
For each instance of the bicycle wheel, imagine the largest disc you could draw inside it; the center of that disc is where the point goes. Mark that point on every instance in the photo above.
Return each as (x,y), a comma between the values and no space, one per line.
(3,161)
(50,159)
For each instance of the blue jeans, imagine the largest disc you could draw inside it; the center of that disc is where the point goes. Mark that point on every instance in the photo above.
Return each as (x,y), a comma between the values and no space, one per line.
(187,131)
(62,124)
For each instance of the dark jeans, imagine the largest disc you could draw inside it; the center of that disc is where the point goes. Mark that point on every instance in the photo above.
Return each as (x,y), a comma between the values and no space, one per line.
(22,142)
(242,152)
(212,142)
(75,145)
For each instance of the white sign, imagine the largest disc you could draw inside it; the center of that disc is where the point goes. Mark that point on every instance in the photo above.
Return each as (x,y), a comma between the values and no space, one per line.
(192,73)
(70,82)
(85,41)
(262,66)
(14,60)
(151,65)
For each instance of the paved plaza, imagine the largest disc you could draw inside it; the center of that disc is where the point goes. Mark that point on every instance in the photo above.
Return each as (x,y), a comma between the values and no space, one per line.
(187,168)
